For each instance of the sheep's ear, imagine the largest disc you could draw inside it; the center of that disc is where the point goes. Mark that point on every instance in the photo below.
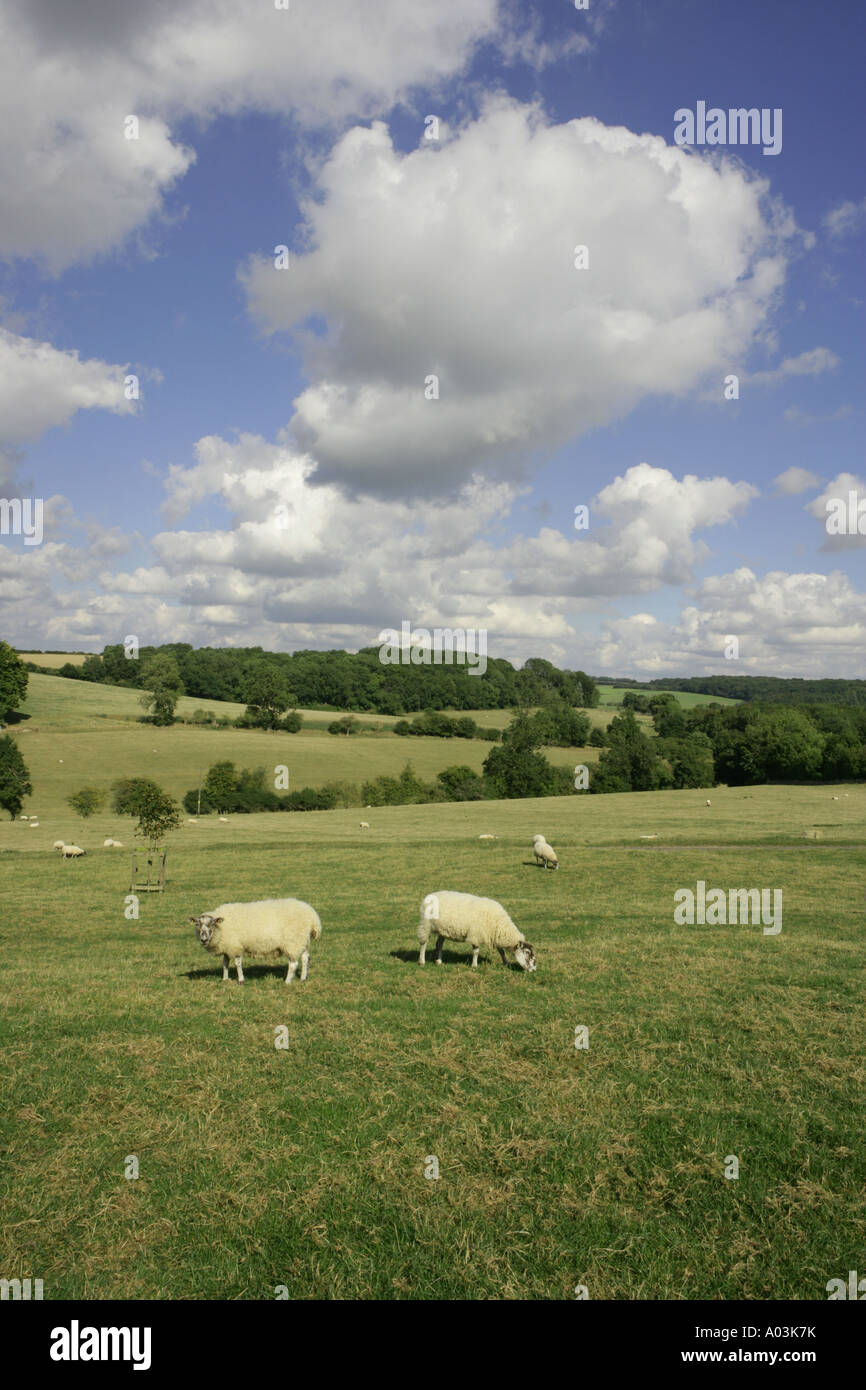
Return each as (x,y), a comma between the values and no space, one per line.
(215,921)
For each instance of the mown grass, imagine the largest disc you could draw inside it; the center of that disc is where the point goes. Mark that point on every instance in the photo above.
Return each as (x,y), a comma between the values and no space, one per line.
(612,695)
(305,1167)
(78,733)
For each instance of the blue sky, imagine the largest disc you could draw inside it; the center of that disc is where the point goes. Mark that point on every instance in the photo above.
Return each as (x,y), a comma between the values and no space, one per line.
(260,128)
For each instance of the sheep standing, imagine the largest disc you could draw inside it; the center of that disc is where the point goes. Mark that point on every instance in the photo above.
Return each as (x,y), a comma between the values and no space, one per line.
(363,825)
(58,844)
(544,853)
(480,921)
(270,929)
(73,851)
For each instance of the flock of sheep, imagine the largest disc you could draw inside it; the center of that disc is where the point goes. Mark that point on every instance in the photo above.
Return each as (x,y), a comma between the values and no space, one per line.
(284,928)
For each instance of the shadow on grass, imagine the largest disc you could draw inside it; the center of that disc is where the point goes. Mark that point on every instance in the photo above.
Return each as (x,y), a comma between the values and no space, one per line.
(251,972)
(450,957)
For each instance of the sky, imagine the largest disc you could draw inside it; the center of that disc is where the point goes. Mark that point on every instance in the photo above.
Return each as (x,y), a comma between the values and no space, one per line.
(395,418)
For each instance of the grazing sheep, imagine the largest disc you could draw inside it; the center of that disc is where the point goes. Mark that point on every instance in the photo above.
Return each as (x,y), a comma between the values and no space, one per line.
(363,825)
(34,824)
(488,837)
(73,851)
(25,817)
(270,929)
(191,820)
(111,844)
(709,803)
(58,844)
(480,921)
(544,853)
(224,819)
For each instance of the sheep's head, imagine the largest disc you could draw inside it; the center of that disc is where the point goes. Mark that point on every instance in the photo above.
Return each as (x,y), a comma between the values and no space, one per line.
(205,926)
(525,956)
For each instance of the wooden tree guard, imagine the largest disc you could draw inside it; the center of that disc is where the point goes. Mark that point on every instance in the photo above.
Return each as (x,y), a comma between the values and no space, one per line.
(149,862)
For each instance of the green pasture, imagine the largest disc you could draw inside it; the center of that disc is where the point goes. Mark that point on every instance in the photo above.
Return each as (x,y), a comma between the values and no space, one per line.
(304,1166)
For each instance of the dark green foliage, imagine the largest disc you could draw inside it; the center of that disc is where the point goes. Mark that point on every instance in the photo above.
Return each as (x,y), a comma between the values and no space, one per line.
(343,680)
(131,793)
(267,698)
(191,803)
(516,768)
(14,777)
(461,784)
(347,725)
(87,801)
(163,687)
(13,681)
(158,814)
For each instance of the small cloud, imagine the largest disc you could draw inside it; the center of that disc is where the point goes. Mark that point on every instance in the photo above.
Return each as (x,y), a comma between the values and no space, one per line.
(846,219)
(811,363)
(795,480)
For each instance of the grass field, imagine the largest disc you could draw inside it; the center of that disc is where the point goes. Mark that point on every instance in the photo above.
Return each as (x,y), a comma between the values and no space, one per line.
(305,1166)
(53,660)
(80,733)
(612,695)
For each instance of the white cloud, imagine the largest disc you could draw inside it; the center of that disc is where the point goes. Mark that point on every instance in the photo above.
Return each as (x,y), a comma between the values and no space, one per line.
(795,480)
(459,262)
(75,187)
(786,624)
(840,489)
(42,387)
(846,219)
(812,363)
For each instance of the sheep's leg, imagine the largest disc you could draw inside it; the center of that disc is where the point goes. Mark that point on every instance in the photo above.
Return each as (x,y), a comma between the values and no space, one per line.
(502,955)
(225,967)
(290,973)
(305,964)
(475,950)
(238,960)
(422,953)
(439,950)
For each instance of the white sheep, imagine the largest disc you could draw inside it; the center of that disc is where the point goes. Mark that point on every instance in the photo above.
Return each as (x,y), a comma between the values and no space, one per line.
(488,837)
(34,824)
(73,851)
(224,819)
(709,803)
(25,817)
(112,844)
(544,853)
(480,921)
(58,844)
(191,820)
(273,928)
(363,825)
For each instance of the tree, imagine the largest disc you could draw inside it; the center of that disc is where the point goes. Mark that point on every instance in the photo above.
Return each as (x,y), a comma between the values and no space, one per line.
(514,768)
(347,725)
(14,777)
(162,687)
(267,698)
(221,785)
(158,814)
(87,801)
(461,784)
(130,794)
(13,681)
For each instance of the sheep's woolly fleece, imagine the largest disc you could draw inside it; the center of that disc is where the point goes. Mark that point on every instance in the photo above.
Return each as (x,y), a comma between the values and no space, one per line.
(270,929)
(465,917)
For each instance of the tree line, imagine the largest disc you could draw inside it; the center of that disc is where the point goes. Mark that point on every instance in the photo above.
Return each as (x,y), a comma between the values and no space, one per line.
(336,680)
(775,690)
